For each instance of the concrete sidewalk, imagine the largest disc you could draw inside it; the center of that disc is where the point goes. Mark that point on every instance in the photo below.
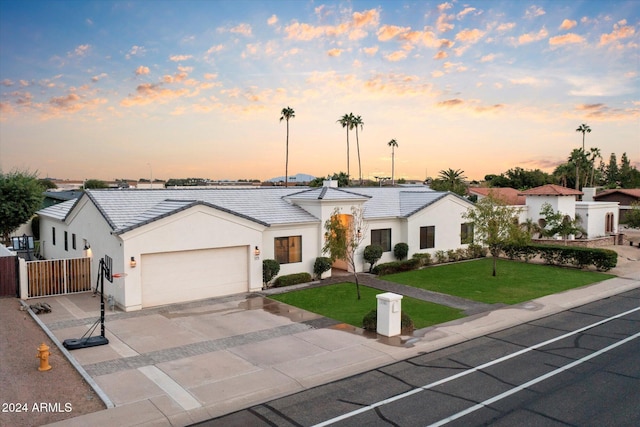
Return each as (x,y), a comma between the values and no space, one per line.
(186,363)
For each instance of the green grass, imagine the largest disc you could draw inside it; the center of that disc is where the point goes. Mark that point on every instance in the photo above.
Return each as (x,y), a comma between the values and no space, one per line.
(515,282)
(340,302)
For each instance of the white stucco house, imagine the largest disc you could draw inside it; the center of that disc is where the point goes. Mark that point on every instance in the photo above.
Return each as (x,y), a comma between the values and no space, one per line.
(598,219)
(178,245)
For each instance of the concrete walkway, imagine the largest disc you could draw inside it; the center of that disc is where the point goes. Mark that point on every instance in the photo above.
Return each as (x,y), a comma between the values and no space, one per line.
(186,363)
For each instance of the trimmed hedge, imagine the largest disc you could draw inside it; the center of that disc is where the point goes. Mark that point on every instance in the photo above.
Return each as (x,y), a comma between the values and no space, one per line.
(321,265)
(270,269)
(400,251)
(601,259)
(292,279)
(370,322)
(396,267)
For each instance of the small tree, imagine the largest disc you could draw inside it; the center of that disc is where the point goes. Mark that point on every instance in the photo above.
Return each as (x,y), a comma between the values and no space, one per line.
(270,269)
(342,239)
(20,197)
(495,226)
(559,223)
(633,216)
(321,265)
(372,253)
(94,184)
(400,251)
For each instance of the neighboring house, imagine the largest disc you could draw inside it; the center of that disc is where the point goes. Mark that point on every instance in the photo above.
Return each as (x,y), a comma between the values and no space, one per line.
(177,245)
(55,197)
(509,195)
(624,196)
(598,219)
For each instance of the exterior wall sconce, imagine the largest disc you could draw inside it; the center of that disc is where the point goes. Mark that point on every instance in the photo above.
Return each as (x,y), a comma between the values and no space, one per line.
(256,251)
(88,253)
(359,234)
(133,262)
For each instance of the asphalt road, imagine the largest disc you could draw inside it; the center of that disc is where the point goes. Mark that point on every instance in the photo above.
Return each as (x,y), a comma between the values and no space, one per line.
(577,368)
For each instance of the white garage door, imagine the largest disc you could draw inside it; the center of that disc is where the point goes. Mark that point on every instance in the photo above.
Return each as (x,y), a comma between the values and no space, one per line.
(172,277)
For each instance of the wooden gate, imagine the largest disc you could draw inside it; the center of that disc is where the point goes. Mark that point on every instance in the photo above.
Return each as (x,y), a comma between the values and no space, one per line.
(59,276)
(9,276)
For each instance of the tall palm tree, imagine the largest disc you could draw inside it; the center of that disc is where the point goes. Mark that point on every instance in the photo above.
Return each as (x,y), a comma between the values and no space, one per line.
(584,128)
(393,144)
(578,158)
(347,122)
(595,154)
(286,114)
(357,121)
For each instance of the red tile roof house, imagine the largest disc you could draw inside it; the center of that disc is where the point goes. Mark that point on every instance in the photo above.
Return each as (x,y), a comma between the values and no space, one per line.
(179,245)
(598,219)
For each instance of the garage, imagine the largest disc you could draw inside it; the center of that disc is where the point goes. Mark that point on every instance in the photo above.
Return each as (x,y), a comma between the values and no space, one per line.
(173,277)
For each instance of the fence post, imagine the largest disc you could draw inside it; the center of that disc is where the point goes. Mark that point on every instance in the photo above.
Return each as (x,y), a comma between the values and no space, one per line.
(23,278)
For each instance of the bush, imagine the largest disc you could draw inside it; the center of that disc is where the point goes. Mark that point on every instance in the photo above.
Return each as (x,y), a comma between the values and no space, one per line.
(601,259)
(424,259)
(292,279)
(441,257)
(270,269)
(322,265)
(372,253)
(396,267)
(476,251)
(400,251)
(370,322)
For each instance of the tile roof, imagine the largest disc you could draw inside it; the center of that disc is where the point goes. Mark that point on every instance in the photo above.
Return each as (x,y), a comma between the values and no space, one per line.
(551,190)
(126,209)
(509,195)
(633,192)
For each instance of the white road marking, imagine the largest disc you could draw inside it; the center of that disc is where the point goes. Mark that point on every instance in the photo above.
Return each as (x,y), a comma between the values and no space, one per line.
(532,382)
(469,371)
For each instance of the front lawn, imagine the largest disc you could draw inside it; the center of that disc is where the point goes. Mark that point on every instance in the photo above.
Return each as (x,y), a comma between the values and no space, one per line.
(340,302)
(515,282)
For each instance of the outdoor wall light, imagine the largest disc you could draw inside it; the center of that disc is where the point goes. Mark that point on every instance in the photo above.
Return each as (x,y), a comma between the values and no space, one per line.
(133,262)
(88,253)
(256,251)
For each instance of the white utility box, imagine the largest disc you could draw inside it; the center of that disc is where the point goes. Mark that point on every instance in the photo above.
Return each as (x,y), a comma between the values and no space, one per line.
(389,309)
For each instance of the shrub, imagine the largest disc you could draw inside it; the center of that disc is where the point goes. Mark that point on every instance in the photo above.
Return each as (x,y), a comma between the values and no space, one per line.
(292,279)
(476,251)
(270,269)
(400,251)
(322,265)
(396,266)
(370,322)
(441,257)
(424,259)
(372,253)
(601,259)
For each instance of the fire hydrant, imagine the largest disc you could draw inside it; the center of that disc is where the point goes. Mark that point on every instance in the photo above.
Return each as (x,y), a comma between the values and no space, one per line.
(43,355)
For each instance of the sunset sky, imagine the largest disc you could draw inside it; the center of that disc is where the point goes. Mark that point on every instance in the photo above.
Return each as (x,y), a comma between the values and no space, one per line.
(176,89)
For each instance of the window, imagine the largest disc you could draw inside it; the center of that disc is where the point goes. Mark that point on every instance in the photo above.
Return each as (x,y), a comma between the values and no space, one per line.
(288,249)
(428,237)
(53,235)
(66,241)
(466,233)
(73,241)
(382,238)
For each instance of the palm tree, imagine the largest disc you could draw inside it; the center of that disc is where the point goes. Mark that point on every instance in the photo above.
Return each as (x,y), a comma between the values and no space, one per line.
(578,158)
(393,144)
(452,177)
(286,114)
(347,122)
(357,121)
(595,154)
(584,128)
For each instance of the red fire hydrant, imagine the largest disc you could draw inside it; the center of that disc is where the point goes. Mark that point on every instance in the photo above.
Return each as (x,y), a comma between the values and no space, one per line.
(43,355)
